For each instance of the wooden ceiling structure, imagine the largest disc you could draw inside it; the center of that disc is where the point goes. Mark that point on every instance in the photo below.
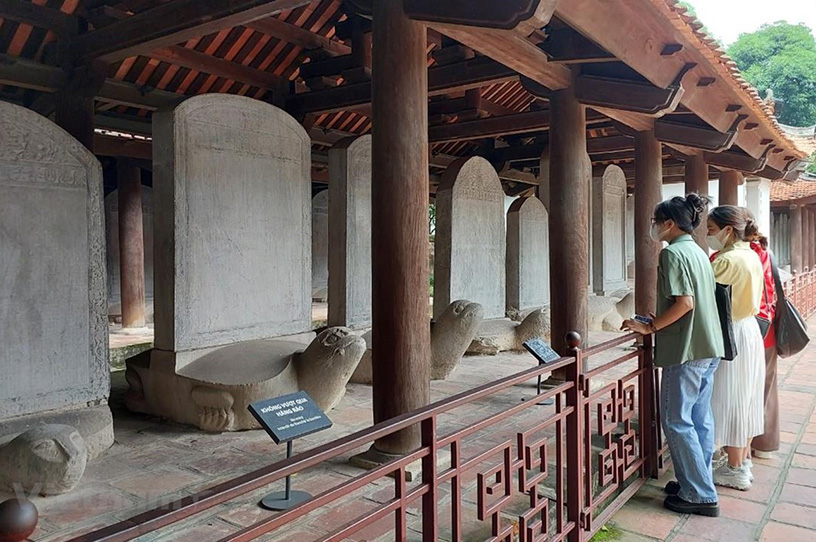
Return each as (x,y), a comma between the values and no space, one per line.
(637,65)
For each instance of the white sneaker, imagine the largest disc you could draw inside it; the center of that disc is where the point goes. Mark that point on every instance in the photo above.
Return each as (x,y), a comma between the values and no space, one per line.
(717,462)
(729,477)
(748,467)
(763,455)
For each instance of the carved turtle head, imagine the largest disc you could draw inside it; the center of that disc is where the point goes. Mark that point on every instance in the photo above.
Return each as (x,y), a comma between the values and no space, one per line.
(462,314)
(49,459)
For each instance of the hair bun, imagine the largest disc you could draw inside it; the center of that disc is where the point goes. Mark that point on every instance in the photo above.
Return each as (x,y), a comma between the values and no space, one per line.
(751,229)
(698,202)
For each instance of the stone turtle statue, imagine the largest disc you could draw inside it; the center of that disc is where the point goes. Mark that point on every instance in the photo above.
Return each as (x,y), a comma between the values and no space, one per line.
(47,460)
(503,334)
(450,336)
(213,392)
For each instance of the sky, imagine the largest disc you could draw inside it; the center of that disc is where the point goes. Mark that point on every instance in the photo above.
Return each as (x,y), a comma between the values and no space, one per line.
(727,19)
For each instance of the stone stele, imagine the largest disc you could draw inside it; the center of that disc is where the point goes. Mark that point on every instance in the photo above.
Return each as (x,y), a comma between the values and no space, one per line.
(320,246)
(53,299)
(609,231)
(47,460)
(469,259)
(528,255)
(350,235)
(233,269)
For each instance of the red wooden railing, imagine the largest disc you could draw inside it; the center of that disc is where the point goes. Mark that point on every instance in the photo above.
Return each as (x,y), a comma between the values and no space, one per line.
(801,289)
(520,469)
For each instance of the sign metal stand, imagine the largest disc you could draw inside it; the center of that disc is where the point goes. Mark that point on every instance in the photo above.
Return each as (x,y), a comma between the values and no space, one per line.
(285,419)
(544,354)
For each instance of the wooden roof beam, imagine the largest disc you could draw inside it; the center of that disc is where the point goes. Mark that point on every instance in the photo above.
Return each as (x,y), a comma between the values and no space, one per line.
(474,73)
(23,73)
(519,123)
(172,23)
(692,135)
(737,161)
(298,36)
(596,145)
(27,12)
(195,60)
(565,46)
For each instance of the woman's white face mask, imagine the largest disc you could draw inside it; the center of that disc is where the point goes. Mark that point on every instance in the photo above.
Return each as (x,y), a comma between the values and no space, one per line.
(717,242)
(657,234)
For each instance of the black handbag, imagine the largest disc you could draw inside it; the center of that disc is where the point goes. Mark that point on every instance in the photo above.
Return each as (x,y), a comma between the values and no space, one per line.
(791,330)
(764,323)
(722,294)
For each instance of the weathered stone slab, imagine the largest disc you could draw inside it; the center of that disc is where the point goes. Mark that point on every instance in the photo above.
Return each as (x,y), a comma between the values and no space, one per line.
(232,224)
(470,238)
(112,243)
(350,234)
(609,231)
(53,299)
(528,255)
(320,246)
(630,237)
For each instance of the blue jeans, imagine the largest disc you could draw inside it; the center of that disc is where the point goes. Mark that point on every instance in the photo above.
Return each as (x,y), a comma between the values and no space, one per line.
(688,423)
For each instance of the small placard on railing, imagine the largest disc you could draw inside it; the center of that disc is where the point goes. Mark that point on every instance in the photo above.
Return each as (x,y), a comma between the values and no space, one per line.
(542,351)
(290,416)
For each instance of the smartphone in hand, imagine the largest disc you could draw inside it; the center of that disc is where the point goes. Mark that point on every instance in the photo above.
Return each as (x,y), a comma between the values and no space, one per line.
(643,319)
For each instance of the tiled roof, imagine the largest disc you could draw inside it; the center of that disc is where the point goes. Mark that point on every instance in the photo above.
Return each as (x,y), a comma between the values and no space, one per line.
(787,191)
(708,46)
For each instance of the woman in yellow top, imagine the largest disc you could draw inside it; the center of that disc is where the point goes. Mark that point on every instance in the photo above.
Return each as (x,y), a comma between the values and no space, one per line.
(737,399)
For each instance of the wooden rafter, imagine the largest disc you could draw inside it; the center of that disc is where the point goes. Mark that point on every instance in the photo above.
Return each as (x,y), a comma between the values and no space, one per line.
(40,16)
(195,60)
(298,36)
(172,23)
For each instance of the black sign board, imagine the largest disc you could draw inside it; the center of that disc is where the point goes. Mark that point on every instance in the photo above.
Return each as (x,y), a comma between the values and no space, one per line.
(541,351)
(290,416)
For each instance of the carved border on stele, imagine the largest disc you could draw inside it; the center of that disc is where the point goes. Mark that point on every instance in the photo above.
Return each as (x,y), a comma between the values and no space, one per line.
(30,142)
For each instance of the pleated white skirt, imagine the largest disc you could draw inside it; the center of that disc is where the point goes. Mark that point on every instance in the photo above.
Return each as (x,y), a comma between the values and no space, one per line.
(737,399)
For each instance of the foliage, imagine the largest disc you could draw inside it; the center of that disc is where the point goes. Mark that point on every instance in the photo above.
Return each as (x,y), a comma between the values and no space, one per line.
(781,57)
(607,533)
(432,220)
(811,168)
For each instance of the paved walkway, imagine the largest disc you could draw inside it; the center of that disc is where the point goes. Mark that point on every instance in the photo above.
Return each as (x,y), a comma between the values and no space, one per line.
(781,506)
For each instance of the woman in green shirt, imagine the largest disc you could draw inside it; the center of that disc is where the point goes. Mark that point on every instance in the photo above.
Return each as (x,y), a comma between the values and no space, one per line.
(689,345)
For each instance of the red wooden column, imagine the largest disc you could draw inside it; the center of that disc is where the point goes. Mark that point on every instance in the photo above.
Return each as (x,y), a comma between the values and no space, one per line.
(729,187)
(569,218)
(696,177)
(399,194)
(648,193)
(796,239)
(131,244)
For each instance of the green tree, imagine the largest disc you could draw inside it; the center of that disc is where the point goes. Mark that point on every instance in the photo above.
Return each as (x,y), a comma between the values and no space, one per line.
(781,57)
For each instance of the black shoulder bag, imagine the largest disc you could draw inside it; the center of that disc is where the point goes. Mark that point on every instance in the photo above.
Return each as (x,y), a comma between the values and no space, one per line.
(791,330)
(722,294)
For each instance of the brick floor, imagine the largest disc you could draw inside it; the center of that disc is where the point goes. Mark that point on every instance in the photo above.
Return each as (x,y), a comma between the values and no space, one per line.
(781,506)
(152,463)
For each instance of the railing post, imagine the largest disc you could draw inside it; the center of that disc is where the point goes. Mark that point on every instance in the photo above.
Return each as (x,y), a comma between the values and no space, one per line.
(575,460)
(649,431)
(430,523)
